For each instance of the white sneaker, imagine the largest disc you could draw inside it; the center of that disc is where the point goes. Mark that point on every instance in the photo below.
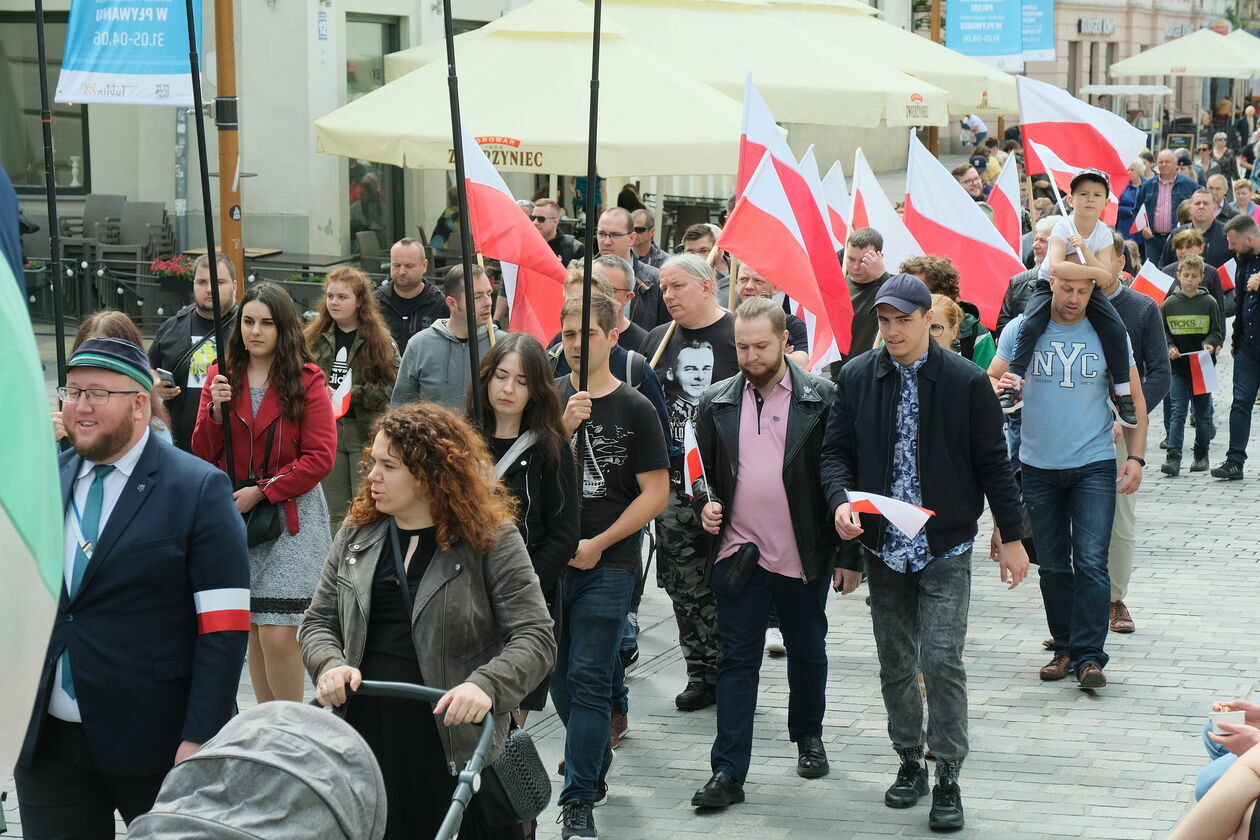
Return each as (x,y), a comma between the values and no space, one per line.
(774,642)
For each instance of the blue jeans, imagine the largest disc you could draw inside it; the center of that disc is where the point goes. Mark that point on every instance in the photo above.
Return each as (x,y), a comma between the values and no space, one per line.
(1180,394)
(1246,383)
(593,604)
(741,627)
(628,641)
(1014,427)
(1072,512)
(1222,760)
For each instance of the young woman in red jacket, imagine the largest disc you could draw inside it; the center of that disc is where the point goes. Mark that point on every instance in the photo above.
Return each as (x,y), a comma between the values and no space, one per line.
(284,440)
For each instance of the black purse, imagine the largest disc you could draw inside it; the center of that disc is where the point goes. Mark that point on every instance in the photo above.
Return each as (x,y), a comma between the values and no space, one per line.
(740,570)
(262,522)
(516,788)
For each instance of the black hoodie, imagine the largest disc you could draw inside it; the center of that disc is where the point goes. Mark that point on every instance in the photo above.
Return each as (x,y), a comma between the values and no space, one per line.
(408,316)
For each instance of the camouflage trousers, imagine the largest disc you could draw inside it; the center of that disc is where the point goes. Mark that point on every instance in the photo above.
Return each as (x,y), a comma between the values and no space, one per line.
(682,552)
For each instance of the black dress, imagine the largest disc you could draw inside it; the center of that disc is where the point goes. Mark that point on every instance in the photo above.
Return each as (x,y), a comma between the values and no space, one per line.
(403,734)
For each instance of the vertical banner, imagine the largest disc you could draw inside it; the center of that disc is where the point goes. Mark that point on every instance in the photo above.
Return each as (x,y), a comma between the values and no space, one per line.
(990,30)
(1038,30)
(128,52)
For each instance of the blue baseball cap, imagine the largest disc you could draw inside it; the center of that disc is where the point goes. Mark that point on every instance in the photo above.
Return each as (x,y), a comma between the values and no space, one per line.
(905,293)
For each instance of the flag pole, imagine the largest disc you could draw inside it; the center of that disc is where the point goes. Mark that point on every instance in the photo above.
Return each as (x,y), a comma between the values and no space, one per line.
(212,257)
(465,232)
(592,185)
(481,263)
(673,325)
(50,191)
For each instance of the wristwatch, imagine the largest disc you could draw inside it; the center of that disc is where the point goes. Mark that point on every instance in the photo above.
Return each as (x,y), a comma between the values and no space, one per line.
(1141,462)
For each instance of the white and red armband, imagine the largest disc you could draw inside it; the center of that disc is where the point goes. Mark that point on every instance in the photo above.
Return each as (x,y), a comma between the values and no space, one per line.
(222,609)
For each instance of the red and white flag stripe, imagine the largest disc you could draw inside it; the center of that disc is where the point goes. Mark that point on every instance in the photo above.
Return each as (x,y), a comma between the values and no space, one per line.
(759,133)
(1008,216)
(1152,282)
(1140,220)
(871,208)
(1202,372)
(1227,273)
(341,396)
(907,518)
(693,465)
(222,609)
(839,202)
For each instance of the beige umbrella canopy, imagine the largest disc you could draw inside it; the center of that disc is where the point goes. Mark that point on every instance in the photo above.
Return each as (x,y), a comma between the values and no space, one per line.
(972,85)
(530,124)
(1201,53)
(719,41)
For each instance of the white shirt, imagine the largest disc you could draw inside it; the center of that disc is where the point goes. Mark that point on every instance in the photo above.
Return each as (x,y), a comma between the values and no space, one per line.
(977,126)
(1097,240)
(60,705)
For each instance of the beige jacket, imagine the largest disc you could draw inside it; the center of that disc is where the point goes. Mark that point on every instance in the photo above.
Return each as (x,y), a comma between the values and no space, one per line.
(478,618)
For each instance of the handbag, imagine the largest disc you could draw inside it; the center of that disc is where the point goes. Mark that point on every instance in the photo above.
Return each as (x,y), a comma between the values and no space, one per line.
(262,522)
(737,574)
(516,788)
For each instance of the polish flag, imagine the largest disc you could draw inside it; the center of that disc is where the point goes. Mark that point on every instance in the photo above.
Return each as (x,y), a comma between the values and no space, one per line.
(758,134)
(1063,172)
(693,465)
(222,609)
(945,221)
(763,231)
(839,203)
(1140,221)
(871,208)
(1079,134)
(341,396)
(1008,216)
(838,290)
(1202,372)
(1227,273)
(907,518)
(1153,283)
(532,274)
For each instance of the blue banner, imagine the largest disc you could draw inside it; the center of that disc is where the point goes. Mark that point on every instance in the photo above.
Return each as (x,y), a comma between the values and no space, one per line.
(990,30)
(1038,30)
(128,52)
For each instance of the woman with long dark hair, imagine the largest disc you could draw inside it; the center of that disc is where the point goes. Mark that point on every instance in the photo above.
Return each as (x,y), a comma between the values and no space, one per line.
(428,582)
(357,354)
(525,434)
(283,440)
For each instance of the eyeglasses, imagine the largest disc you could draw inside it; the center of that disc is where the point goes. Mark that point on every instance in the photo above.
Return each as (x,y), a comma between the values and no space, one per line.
(608,234)
(96,396)
(641,229)
(622,291)
(1204,149)
(936,329)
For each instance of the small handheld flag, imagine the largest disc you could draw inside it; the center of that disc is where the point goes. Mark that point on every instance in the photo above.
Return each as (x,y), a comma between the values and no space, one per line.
(693,466)
(908,518)
(1227,273)
(1140,222)
(1152,282)
(341,396)
(1202,372)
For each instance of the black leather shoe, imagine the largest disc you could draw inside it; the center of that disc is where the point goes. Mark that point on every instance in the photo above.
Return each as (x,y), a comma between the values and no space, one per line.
(696,696)
(811,761)
(947,809)
(911,784)
(718,792)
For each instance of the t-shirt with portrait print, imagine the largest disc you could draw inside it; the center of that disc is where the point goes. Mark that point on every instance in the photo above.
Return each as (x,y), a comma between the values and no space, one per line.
(693,360)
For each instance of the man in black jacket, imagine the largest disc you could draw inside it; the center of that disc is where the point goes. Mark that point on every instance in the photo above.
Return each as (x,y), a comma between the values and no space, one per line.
(908,403)
(1021,285)
(760,434)
(407,303)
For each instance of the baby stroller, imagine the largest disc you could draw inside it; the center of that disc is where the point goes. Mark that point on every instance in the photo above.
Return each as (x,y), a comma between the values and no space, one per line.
(284,770)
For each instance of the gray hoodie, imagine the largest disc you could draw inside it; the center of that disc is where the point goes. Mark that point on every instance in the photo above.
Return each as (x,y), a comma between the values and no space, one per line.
(435,367)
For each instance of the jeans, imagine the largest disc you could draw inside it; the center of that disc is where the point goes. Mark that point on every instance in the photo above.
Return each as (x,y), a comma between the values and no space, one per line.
(920,624)
(1072,512)
(1246,383)
(1180,395)
(1014,426)
(629,641)
(1222,760)
(741,626)
(593,605)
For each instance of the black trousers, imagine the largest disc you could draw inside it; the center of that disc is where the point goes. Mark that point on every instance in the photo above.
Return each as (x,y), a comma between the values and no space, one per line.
(65,795)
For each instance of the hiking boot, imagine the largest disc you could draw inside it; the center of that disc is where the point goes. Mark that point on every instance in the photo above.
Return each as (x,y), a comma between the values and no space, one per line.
(720,791)
(947,809)
(1228,470)
(1200,463)
(618,729)
(1163,444)
(1121,621)
(774,642)
(1171,467)
(1125,410)
(1011,401)
(696,696)
(1056,668)
(1091,676)
(911,785)
(578,822)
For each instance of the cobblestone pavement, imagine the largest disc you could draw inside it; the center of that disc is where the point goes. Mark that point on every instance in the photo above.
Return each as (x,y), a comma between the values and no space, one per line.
(1048,760)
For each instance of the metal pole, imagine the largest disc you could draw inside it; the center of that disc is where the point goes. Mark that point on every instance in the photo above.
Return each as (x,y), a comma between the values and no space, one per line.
(194,65)
(50,190)
(465,231)
(592,185)
(934,25)
(226,120)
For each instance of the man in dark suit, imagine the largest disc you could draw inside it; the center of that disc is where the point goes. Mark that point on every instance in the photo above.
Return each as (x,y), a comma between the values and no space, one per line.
(1160,196)
(146,652)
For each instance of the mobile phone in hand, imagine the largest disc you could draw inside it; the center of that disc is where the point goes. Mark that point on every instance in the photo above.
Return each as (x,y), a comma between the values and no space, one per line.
(165,376)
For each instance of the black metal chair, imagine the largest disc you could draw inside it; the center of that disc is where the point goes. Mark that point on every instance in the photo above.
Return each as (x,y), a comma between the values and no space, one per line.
(80,234)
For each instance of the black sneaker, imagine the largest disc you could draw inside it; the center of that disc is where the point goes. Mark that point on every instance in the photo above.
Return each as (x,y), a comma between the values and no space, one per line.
(1124,409)
(911,784)
(696,696)
(947,809)
(1228,470)
(1171,467)
(1200,464)
(578,822)
(1011,400)
(629,656)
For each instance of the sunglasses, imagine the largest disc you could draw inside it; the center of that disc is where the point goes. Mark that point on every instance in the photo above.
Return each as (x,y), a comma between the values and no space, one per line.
(539,219)
(641,229)
(1204,149)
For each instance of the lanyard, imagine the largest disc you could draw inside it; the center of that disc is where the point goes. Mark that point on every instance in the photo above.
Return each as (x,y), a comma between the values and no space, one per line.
(84,544)
(400,570)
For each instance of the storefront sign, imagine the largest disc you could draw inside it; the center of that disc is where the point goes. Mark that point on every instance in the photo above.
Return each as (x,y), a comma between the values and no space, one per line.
(1176,30)
(512,156)
(1096,26)
(990,30)
(129,52)
(1038,30)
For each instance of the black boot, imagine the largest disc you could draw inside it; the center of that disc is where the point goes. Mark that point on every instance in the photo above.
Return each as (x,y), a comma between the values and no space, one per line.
(947,809)
(911,783)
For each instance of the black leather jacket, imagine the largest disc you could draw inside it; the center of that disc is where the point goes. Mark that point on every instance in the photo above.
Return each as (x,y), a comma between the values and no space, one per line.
(717,435)
(1016,297)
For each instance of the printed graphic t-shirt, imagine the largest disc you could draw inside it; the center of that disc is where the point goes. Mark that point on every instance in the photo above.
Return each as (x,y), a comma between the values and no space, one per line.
(693,360)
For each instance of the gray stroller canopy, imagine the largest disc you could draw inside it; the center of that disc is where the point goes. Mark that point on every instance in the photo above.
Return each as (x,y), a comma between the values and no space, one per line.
(278,770)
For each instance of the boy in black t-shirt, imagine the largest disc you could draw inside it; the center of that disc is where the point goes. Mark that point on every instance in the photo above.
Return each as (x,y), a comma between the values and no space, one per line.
(625,483)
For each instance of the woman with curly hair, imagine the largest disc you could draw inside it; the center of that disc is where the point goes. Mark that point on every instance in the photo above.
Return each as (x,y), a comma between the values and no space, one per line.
(283,443)
(357,354)
(428,582)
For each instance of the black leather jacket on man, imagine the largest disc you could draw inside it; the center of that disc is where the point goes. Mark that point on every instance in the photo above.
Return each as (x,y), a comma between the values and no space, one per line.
(717,435)
(962,448)
(1018,291)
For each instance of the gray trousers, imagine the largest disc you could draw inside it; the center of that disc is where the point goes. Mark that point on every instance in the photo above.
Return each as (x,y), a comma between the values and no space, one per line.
(920,624)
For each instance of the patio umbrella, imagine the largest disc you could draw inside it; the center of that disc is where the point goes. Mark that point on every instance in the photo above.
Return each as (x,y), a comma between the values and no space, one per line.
(1201,53)
(531,123)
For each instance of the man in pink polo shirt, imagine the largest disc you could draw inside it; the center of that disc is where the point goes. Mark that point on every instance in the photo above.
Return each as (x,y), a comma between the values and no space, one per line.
(760,436)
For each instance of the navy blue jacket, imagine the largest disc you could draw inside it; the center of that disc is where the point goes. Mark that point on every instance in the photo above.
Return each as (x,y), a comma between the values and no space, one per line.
(1148,194)
(145,678)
